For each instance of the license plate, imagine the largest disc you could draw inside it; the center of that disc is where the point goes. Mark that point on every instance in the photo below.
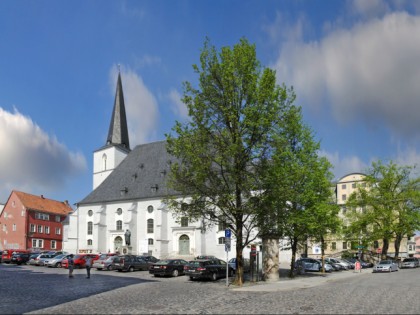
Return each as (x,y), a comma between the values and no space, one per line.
(157,267)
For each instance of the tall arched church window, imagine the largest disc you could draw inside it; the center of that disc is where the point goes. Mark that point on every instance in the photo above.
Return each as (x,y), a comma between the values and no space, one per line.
(104,162)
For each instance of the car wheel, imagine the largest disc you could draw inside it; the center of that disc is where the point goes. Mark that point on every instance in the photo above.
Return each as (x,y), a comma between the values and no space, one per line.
(175,273)
(131,269)
(192,278)
(109,268)
(58,265)
(214,276)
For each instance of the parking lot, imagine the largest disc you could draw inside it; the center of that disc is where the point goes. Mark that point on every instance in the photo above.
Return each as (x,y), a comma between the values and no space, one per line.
(42,290)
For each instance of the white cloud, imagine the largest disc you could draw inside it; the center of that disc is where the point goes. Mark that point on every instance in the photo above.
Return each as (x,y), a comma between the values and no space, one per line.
(178,107)
(369,7)
(344,165)
(31,160)
(140,104)
(370,72)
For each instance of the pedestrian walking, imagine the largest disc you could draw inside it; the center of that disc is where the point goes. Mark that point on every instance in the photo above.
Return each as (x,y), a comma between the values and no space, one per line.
(71,265)
(88,265)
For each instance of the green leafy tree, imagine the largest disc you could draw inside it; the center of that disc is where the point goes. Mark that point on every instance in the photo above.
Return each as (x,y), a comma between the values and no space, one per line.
(390,203)
(296,186)
(233,112)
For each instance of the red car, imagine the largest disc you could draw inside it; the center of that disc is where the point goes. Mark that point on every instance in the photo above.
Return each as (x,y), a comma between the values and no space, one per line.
(79,260)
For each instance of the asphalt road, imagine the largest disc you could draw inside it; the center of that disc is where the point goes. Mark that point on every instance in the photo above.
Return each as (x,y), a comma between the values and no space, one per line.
(41,290)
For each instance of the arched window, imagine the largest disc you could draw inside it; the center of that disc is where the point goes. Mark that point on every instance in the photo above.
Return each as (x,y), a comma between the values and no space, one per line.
(150,226)
(150,241)
(119,211)
(150,209)
(89,242)
(90,228)
(104,162)
(119,225)
(90,213)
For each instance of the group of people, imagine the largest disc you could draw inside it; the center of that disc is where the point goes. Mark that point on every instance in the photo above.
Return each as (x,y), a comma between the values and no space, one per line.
(88,265)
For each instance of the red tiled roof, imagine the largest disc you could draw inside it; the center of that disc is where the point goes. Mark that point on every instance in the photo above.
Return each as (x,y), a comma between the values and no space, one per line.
(43,204)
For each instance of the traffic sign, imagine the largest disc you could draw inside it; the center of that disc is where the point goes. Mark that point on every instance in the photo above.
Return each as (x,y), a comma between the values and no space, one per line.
(227,233)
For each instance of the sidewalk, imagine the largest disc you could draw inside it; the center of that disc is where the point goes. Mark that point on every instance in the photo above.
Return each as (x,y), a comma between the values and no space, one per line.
(310,279)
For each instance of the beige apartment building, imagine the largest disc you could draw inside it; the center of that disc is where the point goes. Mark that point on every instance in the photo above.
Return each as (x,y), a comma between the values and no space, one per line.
(335,246)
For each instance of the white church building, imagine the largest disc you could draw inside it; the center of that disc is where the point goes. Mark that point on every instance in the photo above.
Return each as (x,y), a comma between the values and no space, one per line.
(128,188)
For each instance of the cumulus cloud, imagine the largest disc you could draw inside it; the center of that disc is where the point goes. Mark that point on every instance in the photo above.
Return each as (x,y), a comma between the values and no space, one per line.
(140,104)
(344,165)
(32,160)
(178,107)
(369,72)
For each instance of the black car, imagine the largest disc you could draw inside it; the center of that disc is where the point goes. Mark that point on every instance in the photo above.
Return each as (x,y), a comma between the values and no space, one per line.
(207,268)
(150,259)
(20,258)
(129,263)
(168,267)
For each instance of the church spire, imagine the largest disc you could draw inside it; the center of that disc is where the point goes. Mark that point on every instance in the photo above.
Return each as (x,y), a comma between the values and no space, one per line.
(118,131)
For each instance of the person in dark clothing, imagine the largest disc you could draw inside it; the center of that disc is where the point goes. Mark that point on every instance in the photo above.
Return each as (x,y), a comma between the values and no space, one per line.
(88,265)
(71,265)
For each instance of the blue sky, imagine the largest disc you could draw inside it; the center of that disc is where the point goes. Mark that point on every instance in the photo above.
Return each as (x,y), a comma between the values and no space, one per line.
(354,65)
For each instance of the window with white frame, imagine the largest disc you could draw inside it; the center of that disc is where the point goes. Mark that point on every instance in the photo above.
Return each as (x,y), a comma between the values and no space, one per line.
(32,228)
(47,229)
(150,241)
(37,243)
(14,227)
(42,216)
(89,242)
(40,229)
(57,218)
(222,223)
(222,240)
(57,231)
(53,244)
(22,213)
(119,225)
(90,228)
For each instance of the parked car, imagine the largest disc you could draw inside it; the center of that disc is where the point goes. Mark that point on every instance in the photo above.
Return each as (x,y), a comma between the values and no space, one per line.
(104,262)
(351,265)
(38,260)
(207,268)
(79,260)
(410,262)
(311,264)
(56,253)
(150,259)
(386,266)
(6,255)
(205,257)
(55,262)
(344,264)
(129,263)
(335,266)
(168,267)
(21,258)
(246,262)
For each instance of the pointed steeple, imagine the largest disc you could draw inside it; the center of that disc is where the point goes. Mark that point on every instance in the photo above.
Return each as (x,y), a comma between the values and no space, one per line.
(118,131)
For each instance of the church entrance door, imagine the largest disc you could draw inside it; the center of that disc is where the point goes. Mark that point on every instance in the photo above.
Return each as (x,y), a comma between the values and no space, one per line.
(184,245)
(118,242)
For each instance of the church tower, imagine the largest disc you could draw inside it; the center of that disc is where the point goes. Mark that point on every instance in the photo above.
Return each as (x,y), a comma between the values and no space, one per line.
(117,145)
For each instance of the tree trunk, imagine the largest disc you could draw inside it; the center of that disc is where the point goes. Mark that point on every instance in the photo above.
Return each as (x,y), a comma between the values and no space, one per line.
(293,242)
(322,253)
(239,274)
(397,245)
(270,259)
(385,248)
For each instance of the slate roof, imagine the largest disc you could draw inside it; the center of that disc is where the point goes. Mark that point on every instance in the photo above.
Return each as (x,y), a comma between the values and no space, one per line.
(146,166)
(43,204)
(118,131)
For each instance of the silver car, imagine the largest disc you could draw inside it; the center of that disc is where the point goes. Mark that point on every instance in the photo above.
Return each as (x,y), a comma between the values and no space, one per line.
(386,266)
(410,262)
(39,260)
(55,262)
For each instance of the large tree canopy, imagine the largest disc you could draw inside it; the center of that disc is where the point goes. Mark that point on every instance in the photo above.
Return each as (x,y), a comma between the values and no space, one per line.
(234,113)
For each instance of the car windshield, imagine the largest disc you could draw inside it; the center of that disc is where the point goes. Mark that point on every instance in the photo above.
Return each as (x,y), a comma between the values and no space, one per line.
(409,260)
(385,262)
